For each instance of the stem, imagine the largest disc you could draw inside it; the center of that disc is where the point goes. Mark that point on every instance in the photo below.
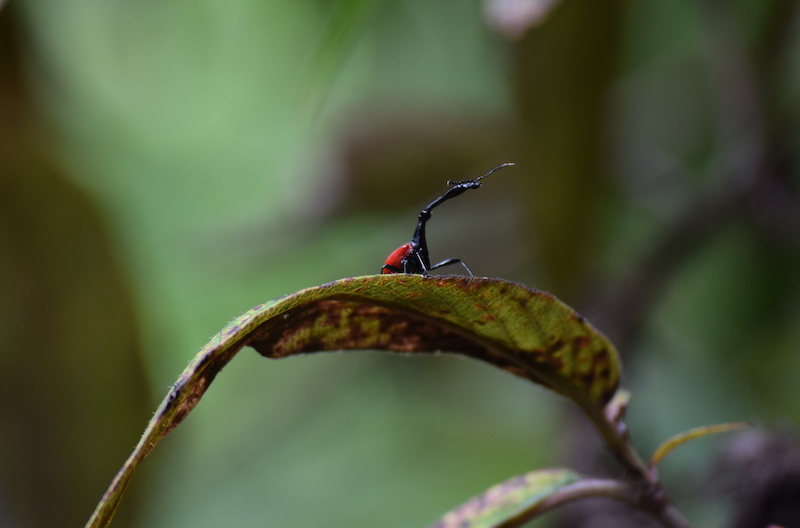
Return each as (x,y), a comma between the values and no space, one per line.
(651,496)
(672,517)
(618,441)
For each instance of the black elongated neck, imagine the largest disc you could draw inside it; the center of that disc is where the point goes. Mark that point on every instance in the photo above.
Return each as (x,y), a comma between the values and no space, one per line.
(419,236)
(452,192)
(425,215)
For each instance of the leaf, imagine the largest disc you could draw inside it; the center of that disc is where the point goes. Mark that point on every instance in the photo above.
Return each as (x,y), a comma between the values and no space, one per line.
(679,439)
(510,503)
(526,332)
(518,501)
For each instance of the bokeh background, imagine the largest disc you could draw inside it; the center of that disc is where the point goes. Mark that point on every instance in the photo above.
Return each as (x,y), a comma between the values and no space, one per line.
(165,166)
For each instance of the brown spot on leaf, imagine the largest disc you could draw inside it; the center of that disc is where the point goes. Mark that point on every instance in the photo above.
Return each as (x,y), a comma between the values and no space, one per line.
(580,342)
(556,345)
(341,325)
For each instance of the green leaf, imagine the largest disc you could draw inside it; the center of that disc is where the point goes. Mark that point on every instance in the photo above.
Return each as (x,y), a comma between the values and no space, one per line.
(518,501)
(526,332)
(679,439)
(510,503)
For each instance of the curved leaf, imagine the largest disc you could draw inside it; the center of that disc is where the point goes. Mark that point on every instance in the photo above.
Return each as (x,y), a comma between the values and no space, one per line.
(526,332)
(509,502)
(518,501)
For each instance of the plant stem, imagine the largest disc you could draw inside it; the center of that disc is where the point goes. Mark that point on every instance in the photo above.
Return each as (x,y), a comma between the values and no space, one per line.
(672,517)
(652,496)
(618,441)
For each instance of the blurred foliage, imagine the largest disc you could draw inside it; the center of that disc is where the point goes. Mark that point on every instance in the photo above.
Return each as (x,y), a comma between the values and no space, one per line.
(72,384)
(202,157)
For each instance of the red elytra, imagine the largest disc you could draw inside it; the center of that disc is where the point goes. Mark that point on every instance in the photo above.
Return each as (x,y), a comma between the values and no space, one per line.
(395,260)
(412,257)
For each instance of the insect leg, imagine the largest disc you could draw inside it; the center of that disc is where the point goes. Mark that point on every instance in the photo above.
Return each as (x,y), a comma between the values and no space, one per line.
(417,265)
(452,261)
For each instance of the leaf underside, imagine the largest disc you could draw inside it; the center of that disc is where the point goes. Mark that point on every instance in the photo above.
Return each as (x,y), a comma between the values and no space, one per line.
(523,331)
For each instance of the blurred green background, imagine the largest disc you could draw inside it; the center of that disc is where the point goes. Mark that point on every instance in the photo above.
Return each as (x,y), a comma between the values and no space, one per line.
(167,165)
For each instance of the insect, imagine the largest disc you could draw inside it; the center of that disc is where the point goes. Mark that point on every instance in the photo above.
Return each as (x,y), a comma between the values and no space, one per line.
(412,257)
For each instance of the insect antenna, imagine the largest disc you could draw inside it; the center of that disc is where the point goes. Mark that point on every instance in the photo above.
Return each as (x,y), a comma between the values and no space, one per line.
(451,182)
